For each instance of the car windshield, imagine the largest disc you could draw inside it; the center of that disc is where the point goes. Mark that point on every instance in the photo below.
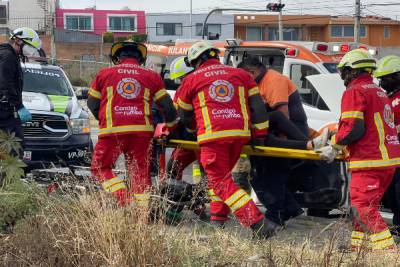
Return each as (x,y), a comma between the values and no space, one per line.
(46,81)
(331,67)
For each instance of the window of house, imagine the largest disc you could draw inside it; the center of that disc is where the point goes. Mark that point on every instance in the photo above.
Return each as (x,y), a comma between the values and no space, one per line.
(122,23)
(386,32)
(310,96)
(346,31)
(3,14)
(169,28)
(254,33)
(211,29)
(78,22)
(289,34)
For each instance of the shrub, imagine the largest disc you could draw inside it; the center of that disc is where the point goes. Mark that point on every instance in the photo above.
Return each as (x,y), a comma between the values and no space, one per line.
(108,37)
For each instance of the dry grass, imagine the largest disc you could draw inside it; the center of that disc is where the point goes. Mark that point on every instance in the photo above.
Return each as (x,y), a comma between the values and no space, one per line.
(91,231)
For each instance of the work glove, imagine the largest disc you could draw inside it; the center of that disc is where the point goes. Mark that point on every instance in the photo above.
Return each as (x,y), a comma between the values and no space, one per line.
(24,115)
(328,153)
(321,140)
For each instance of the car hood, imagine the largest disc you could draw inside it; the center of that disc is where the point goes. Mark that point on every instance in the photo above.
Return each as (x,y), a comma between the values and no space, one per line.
(52,103)
(331,88)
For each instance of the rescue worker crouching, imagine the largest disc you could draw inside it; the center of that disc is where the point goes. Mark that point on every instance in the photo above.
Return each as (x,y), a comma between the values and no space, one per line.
(227,108)
(120,98)
(388,74)
(367,128)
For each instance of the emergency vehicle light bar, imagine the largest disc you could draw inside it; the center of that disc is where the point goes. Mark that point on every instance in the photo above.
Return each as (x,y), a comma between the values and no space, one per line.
(291,52)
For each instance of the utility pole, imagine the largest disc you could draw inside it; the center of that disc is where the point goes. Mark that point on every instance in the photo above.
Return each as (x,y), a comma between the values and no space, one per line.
(280,23)
(53,37)
(357,21)
(191,19)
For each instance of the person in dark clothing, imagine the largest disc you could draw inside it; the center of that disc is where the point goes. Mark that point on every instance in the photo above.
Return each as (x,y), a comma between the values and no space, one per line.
(23,42)
(270,175)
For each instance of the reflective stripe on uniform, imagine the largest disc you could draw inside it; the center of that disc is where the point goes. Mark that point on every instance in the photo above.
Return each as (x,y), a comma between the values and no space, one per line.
(146,100)
(237,200)
(358,239)
(126,128)
(114,184)
(381,240)
(243,107)
(262,125)
(213,196)
(142,199)
(109,121)
(254,91)
(196,170)
(160,94)
(184,105)
(352,115)
(204,112)
(374,163)
(171,124)
(94,93)
(381,134)
(222,134)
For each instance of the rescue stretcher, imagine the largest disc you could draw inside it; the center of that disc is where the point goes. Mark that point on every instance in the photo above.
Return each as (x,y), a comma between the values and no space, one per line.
(257,150)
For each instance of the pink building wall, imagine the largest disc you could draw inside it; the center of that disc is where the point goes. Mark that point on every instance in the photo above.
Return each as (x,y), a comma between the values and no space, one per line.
(100,20)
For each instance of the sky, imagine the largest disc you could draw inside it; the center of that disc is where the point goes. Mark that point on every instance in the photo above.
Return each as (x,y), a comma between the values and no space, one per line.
(337,7)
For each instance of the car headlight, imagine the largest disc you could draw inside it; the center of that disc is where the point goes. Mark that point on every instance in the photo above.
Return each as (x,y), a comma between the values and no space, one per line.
(80,126)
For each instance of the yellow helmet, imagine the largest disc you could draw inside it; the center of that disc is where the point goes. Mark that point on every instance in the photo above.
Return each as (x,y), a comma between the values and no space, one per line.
(178,68)
(28,35)
(387,65)
(131,45)
(196,50)
(357,59)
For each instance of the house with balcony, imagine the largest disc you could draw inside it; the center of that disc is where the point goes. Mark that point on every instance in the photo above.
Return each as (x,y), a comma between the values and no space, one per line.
(97,22)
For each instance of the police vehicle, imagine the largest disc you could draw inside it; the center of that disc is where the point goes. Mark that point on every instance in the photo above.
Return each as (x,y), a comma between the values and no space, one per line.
(59,133)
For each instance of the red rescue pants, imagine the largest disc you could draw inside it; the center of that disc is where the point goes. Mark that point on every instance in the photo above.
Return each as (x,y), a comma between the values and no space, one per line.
(136,151)
(181,158)
(218,160)
(366,191)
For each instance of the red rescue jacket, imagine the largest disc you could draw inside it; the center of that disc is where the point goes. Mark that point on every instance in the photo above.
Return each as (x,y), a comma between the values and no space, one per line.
(126,92)
(218,95)
(379,147)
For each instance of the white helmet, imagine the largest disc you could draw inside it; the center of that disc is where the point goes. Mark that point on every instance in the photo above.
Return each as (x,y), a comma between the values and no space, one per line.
(29,37)
(197,49)
(178,68)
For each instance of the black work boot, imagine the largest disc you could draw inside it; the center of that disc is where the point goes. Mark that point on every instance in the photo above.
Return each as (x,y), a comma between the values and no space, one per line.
(264,229)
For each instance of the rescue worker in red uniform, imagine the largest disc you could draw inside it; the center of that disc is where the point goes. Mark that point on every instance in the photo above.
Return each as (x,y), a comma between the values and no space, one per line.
(120,98)
(367,128)
(227,108)
(388,74)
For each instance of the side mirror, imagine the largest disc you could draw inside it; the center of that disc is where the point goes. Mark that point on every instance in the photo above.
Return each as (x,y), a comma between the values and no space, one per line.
(82,93)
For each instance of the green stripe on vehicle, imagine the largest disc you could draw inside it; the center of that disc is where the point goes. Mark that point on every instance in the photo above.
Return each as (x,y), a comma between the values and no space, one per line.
(59,102)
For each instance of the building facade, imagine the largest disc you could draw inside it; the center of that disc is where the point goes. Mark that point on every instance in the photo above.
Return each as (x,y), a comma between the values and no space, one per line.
(165,28)
(375,31)
(119,22)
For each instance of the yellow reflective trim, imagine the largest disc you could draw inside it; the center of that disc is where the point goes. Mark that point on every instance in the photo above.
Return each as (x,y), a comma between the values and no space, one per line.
(352,115)
(381,133)
(243,156)
(374,163)
(110,96)
(243,107)
(190,130)
(184,105)
(196,171)
(357,235)
(239,204)
(106,184)
(160,94)
(127,128)
(222,134)
(213,196)
(204,112)
(379,236)
(171,124)
(117,187)
(142,197)
(262,125)
(146,101)
(94,93)
(254,91)
(235,197)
